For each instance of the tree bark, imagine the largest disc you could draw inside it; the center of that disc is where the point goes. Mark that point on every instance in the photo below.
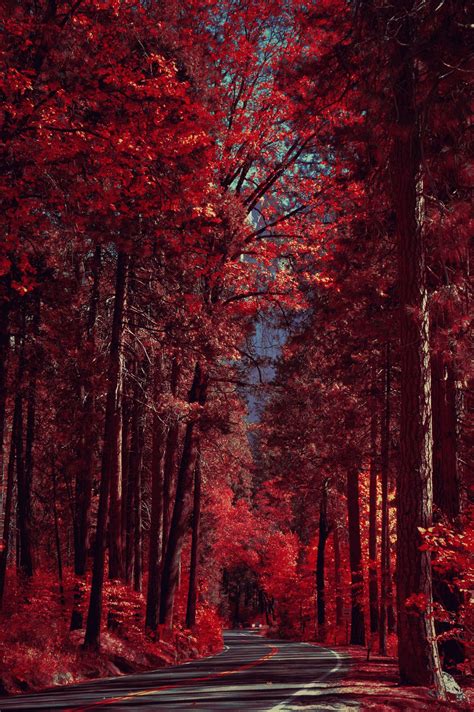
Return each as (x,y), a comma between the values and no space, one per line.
(7,510)
(134,521)
(92,637)
(125,466)
(337,578)
(4,349)
(116,548)
(417,653)
(444,416)
(84,471)
(57,538)
(182,505)
(25,462)
(386,606)
(373,578)
(169,466)
(355,557)
(195,548)
(136,471)
(324,530)
(156,523)
(23,552)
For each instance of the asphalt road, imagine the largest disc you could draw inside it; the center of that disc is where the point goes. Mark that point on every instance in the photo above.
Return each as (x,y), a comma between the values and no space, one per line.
(252,673)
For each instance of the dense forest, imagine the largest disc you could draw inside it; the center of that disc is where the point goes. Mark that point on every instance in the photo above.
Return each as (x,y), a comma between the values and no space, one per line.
(180,179)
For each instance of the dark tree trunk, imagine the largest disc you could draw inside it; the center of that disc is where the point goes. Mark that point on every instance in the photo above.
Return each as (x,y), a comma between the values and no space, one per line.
(417,649)
(169,466)
(131,466)
(82,506)
(134,521)
(337,578)
(7,509)
(137,467)
(116,549)
(445,468)
(116,539)
(20,479)
(126,446)
(324,530)
(92,637)
(4,349)
(355,556)
(156,523)
(195,547)
(25,463)
(57,538)
(386,605)
(24,475)
(23,558)
(373,582)
(183,501)
(84,471)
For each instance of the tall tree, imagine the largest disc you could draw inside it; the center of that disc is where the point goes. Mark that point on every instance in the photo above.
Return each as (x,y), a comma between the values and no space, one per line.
(418,654)
(195,548)
(84,469)
(109,454)
(386,608)
(373,576)
(324,531)
(183,501)
(156,522)
(355,558)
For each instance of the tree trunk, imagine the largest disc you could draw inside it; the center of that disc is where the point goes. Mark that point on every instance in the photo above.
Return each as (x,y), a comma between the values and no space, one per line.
(337,578)
(195,546)
(444,416)
(183,503)
(92,637)
(84,471)
(373,582)
(169,466)
(137,467)
(125,466)
(4,349)
(355,556)
(129,494)
(57,538)
(386,607)
(324,531)
(25,462)
(156,523)
(116,549)
(24,559)
(82,506)
(134,521)
(417,652)
(7,510)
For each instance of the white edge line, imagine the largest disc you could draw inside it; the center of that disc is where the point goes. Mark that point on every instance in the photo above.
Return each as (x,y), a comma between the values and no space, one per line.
(281,705)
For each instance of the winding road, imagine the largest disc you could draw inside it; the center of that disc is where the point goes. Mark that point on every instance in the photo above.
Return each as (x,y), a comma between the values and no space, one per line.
(252,673)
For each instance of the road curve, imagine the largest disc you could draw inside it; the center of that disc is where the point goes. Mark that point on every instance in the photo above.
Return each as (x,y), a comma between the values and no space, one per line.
(252,673)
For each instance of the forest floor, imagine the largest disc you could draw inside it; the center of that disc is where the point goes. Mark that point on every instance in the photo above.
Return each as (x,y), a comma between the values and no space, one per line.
(47,653)
(374,685)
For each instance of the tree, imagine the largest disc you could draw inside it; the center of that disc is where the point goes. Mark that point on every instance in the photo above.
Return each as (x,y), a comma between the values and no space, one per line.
(110,454)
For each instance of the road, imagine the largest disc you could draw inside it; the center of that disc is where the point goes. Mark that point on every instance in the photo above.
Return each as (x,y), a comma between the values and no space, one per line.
(252,673)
